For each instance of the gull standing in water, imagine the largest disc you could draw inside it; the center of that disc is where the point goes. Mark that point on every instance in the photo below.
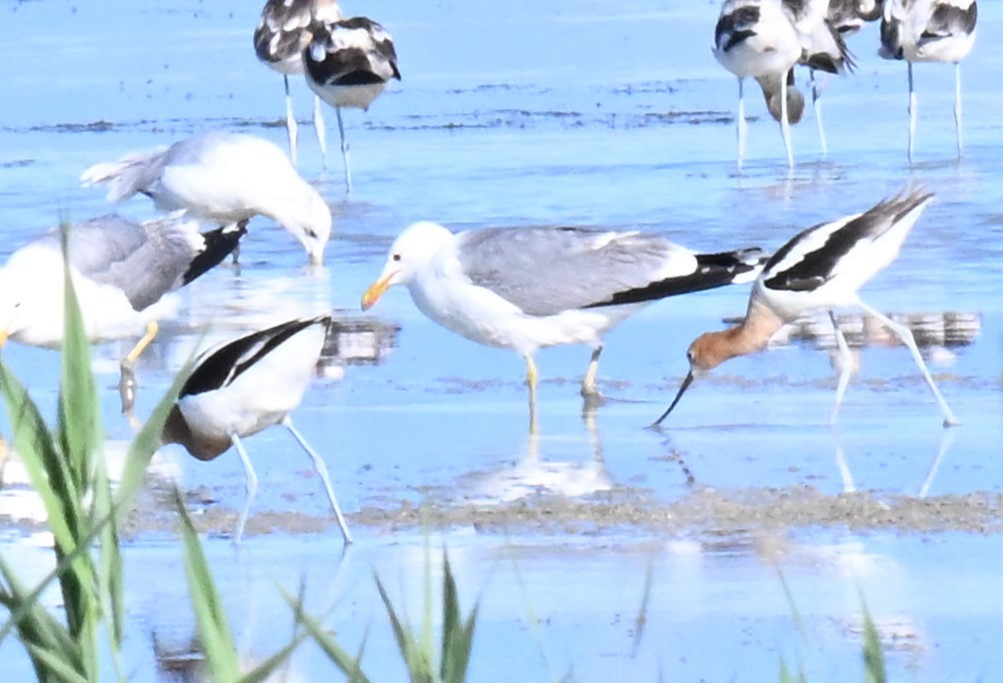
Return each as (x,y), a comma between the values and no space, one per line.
(348,64)
(224,178)
(279,40)
(121,271)
(929,31)
(820,269)
(528,288)
(243,386)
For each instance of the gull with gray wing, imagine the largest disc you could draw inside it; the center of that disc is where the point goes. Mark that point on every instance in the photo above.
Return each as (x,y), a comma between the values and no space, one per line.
(222,177)
(528,288)
(121,271)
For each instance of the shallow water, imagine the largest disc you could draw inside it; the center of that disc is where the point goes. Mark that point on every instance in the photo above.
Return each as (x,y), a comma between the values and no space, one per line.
(571,113)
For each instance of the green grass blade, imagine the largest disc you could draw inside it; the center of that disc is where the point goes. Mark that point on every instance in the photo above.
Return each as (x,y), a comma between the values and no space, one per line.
(38,630)
(641,620)
(457,633)
(146,443)
(55,667)
(874,656)
(348,665)
(217,639)
(48,471)
(415,657)
(79,426)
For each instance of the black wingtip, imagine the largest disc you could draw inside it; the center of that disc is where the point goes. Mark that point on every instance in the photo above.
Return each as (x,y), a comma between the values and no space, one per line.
(219,244)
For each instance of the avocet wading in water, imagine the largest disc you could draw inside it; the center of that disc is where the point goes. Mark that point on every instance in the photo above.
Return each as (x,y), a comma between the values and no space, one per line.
(528,288)
(757,39)
(221,177)
(819,270)
(121,271)
(822,49)
(348,63)
(929,31)
(279,40)
(241,387)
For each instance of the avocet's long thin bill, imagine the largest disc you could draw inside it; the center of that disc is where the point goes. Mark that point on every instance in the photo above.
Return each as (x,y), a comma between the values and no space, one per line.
(682,389)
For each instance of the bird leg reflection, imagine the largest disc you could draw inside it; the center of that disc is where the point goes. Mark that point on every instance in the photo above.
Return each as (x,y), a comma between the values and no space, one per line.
(845,367)
(957,103)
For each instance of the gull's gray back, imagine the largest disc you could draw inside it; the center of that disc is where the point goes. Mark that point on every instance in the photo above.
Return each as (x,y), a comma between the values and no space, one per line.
(545,271)
(144,260)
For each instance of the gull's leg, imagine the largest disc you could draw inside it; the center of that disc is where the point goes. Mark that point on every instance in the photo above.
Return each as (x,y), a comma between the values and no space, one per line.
(290,122)
(817,103)
(846,367)
(589,388)
(740,120)
(785,124)
(531,380)
(957,103)
(252,488)
(344,150)
(905,335)
(318,126)
(321,468)
(912,113)
(127,382)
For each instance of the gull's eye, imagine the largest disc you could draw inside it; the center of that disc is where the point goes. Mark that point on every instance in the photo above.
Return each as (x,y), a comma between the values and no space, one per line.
(689,356)
(396,257)
(312,234)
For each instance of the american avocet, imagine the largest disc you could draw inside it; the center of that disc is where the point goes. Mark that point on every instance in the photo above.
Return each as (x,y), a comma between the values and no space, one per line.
(121,271)
(348,64)
(222,177)
(757,39)
(849,16)
(528,288)
(823,49)
(279,40)
(243,386)
(929,31)
(819,270)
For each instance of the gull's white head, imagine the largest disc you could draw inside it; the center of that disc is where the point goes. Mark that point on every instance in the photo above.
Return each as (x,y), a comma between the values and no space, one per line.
(310,223)
(19,298)
(409,254)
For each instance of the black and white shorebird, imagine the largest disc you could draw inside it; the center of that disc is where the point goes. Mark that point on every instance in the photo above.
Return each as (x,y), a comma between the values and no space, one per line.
(222,177)
(279,40)
(348,64)
(822,49)
(757,39)
(528,288)
(241,387)
(929,31)
(820,269)
(121,271)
